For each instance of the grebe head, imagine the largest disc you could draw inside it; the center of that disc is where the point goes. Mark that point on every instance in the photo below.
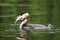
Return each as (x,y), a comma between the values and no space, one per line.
(22,16)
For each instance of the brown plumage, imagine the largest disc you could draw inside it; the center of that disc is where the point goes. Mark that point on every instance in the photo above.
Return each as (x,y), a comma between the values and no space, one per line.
(26,15)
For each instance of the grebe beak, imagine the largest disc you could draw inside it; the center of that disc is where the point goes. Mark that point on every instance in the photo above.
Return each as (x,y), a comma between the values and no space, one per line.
(18,18)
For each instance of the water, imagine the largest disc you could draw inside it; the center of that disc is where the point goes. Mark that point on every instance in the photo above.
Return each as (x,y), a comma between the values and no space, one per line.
(10,32)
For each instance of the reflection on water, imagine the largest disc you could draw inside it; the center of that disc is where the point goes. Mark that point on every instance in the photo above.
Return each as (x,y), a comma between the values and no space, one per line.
(10,32)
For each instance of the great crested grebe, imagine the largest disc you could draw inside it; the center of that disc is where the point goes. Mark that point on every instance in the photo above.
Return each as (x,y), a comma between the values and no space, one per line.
(24,17)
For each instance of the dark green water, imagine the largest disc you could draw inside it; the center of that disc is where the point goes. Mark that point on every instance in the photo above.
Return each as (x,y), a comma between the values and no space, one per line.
(41,11)
(9,32)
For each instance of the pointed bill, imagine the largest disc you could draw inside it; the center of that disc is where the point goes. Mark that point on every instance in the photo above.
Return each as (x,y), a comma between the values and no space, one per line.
(18,18)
